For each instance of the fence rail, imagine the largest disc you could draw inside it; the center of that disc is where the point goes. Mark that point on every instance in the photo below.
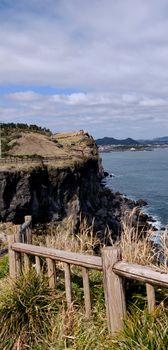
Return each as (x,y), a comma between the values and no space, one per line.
(141,273)
(89,261)
(110,263)
(34,160)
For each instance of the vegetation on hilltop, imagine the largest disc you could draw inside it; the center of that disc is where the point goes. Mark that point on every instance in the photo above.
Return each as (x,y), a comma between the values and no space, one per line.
(22,140)
(10,127)
(13,131)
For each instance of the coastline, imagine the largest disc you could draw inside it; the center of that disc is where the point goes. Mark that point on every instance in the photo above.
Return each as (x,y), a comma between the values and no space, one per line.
(141,175)
(145,218)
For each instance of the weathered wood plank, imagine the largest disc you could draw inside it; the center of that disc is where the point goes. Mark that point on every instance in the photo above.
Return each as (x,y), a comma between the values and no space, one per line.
(28,231)
(113,289)
(17,238)
(27,223)
(18,264)
(51,272)
(12,256)
(141,273)
(38,265)
(93,262)
(17,235)
(26,262)
(151,297)
(68,289)
(86,289)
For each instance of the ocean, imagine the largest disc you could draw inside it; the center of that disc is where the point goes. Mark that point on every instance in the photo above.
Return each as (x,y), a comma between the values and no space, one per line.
(141,175)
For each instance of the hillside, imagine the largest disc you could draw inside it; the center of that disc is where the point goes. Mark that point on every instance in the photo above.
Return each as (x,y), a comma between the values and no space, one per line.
(112,141)
(156,141)
(161,139)
(20,140)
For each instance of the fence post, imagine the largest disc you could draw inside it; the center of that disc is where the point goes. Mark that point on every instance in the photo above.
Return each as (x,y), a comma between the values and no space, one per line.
(67,272)
(11,255)
(86,291)
(151,297)
(14,258)
(38,265)
(51,272)
(113,289)
(28,233)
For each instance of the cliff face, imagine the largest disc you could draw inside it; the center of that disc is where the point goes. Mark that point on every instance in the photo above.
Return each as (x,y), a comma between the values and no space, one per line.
(52,192)
(52,188)
(49,194)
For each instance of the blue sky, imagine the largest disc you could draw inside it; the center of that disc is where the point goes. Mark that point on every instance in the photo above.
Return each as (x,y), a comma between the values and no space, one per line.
(99,65)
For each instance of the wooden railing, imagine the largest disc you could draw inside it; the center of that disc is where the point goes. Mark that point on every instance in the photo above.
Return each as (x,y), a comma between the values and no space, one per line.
(114,272)
(33,159)
(22,234)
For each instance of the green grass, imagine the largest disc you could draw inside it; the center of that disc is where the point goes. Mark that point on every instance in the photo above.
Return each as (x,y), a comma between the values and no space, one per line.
(4,266)
(26,307)
(32,316)
(143,331)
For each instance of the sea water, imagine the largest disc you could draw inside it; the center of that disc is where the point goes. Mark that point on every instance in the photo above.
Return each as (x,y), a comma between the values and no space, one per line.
(141,175)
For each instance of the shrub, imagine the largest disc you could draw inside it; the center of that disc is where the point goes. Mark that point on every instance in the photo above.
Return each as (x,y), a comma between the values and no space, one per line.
(26,306)
(4,266)
(144,331)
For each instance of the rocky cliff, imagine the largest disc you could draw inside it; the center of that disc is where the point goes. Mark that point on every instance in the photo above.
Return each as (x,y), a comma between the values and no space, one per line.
(54,190)
(48,193)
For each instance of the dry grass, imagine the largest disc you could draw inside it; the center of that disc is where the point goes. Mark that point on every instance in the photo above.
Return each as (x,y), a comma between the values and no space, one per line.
(73,147)
(136,246)
(140,247)
(34,143)
(24,165)
(62,236)
(6,228)
(70,329)
(56,145)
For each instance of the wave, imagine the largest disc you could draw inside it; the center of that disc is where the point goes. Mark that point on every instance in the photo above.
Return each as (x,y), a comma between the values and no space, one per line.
(112,175)
(155,219)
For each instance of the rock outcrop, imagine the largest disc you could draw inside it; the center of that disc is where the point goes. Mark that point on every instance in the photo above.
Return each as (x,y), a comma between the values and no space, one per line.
(51,193)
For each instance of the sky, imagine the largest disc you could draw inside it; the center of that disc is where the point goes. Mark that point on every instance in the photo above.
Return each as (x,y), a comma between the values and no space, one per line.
(99,65)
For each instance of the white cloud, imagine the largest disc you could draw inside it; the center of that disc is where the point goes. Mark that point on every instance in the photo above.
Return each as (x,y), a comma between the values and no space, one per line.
(114,53)
(94,45)
(27,96)
(110,114)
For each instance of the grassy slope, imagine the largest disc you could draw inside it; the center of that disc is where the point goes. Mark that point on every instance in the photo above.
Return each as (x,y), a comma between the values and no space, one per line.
(72,147)
(20,141)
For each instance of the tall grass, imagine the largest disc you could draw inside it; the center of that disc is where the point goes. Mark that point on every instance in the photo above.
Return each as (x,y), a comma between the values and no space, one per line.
(136,245)
(140,246)
(4,266)
(63,236)
(26,305)
(143,331)
(32,316)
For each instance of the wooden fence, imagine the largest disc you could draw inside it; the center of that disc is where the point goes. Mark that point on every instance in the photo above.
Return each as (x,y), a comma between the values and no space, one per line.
(32,160)
(114,273)
(22,234)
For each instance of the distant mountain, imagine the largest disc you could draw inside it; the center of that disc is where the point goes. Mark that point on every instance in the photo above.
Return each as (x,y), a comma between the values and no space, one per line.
(161,139)
(112,141)
(155,141)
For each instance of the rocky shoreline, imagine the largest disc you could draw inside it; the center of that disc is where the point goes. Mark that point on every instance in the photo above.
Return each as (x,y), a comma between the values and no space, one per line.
(111,210)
